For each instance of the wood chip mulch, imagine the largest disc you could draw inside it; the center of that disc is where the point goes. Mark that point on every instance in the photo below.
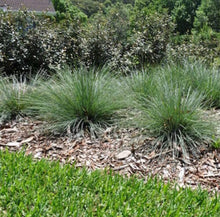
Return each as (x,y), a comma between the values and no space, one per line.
(118,151)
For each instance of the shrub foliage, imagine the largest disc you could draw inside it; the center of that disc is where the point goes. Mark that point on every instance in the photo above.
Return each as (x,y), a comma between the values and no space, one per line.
(29,42)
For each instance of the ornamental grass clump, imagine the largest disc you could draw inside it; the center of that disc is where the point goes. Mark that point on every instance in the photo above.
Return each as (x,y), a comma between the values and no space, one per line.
(79,101)
(173,115)
(196,75)
(141,84)
(206,80)
(12,93)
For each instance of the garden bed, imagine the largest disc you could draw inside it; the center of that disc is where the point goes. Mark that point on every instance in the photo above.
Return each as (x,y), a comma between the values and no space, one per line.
(118,150)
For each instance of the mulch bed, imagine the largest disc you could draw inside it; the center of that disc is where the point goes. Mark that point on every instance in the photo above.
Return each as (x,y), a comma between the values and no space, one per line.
(117,150)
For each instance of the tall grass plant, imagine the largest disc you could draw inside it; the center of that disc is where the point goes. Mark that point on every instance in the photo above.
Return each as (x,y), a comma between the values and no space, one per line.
(204,79)
(78,101)
(171,110)
(12,92)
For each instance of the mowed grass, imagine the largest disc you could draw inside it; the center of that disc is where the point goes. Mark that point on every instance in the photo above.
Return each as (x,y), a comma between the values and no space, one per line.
(42,188)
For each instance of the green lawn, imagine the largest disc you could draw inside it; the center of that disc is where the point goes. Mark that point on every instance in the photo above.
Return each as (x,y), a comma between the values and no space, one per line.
(41,188)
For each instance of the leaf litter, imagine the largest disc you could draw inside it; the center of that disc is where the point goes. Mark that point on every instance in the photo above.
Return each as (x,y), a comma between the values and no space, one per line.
(117,150)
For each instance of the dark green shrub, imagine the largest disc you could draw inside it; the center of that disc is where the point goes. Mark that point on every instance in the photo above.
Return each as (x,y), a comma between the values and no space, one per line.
(118,21)
(70,41)
(92,7)
(65,10)
(194,49)
(89,7)
(182,11)
(28,43)
(208,14)
(155,5)
(151,35)
(183,14)
(105,37)
(96,44)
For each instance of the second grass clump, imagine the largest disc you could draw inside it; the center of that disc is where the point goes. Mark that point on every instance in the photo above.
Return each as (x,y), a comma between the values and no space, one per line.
(78,101)
(172,112)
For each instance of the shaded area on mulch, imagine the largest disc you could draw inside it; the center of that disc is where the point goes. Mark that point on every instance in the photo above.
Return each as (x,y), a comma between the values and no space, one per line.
(117,150)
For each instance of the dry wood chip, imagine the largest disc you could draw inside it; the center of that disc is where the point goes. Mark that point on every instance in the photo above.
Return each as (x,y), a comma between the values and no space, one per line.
(101,153)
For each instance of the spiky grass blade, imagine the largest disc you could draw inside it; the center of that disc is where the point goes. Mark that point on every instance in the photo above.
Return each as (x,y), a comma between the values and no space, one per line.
(138,85)
(78,101)
(206,80)
(11,94)
(171,110)
(174,117)
(141,84)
